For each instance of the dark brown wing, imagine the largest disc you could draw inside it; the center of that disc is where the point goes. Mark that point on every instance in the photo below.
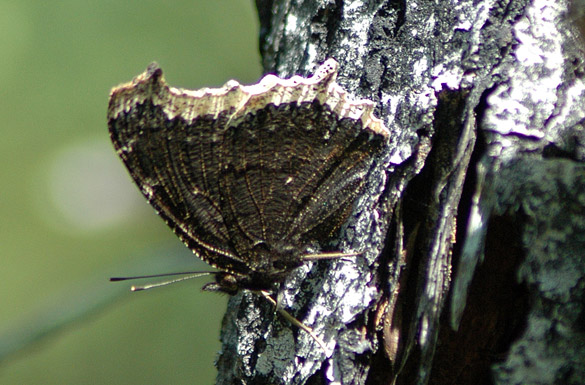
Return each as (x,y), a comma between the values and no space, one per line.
(290,174)
(175,164)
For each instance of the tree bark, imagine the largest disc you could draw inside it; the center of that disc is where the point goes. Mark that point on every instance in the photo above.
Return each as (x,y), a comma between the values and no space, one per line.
(472,226)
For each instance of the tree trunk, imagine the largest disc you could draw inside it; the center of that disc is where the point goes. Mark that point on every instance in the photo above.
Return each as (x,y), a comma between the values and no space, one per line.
(472,226)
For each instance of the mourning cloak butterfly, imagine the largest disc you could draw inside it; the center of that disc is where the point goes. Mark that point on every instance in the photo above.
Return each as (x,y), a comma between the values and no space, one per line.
(247,176)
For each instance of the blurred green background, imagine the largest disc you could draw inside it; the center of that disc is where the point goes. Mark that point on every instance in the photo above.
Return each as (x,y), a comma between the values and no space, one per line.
(70,216)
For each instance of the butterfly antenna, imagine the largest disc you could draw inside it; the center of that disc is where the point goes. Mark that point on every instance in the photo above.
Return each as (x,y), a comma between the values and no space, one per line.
(294,321)
(332,255)
(190,275)
(115,279)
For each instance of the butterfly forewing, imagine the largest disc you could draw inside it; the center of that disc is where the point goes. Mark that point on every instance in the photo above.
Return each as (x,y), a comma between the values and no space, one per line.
(175,164)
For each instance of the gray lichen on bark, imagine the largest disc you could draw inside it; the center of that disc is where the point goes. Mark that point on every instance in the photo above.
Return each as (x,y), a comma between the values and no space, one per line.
(550,196)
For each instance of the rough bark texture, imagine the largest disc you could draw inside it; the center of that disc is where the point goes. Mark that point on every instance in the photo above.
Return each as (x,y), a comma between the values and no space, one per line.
(472,225)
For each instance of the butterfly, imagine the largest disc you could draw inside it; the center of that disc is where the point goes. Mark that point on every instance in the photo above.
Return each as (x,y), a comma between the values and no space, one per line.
(250,178)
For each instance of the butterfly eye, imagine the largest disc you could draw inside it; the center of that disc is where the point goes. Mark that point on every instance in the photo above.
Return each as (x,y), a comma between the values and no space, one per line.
(278,265)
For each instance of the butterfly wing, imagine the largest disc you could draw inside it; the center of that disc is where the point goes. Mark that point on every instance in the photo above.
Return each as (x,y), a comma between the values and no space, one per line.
(290,174)
(174,162)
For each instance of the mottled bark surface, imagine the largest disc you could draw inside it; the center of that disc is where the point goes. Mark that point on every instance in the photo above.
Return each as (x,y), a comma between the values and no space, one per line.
(472,226)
